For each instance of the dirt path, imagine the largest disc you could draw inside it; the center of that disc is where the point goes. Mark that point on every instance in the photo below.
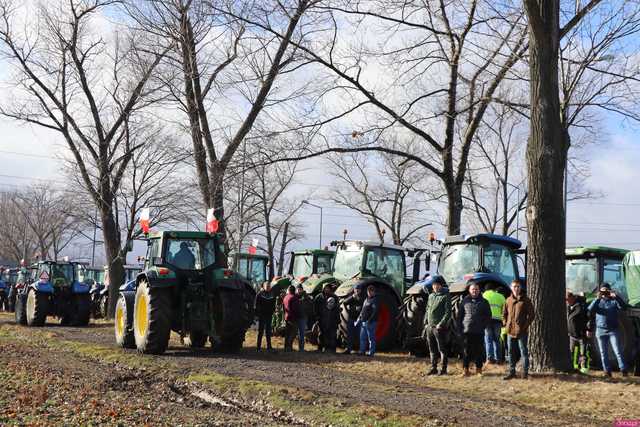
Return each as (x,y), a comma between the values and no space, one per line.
(246,389)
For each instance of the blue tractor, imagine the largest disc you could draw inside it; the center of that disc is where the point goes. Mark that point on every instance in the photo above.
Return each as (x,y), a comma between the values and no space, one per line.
(53,290)
(464,259)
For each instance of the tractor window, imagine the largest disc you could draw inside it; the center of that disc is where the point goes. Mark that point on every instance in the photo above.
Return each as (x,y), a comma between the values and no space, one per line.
(324,263)
(190,254)
(499,259)
(458,260)
(612,274)
(154,252)
(62,272)
(386,264)
(347,263)
(243,267)
(582,276)
(258,268)
(302,265)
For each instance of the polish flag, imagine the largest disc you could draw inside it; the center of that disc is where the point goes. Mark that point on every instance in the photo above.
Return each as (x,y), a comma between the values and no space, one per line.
(254,246)
(212,222)
(144,220)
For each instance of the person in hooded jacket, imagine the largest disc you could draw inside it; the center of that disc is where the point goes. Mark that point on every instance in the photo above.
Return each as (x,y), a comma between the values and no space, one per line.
(322,315)
(353,305)
(517,315)
(606,310)
(291,306)
(578,328)
(265,305)
(474,316)
(368,320)
(437,317)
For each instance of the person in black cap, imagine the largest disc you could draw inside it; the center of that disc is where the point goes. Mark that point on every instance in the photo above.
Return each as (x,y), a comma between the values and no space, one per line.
(437,317)
(353,305)
(265,305)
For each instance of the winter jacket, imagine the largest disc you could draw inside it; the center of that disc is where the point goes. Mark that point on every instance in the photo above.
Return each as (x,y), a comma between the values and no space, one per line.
(517,315)
(606,312)
(265,304)
(318,303)
(354,305)
(291,305)
(577,320)
(438,309)
(306,306)
(474,315)
(369,312)
(329,315)
(496,301)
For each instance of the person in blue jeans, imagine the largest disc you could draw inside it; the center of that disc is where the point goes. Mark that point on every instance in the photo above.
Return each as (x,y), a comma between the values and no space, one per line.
(493,346)
(606,309)
(517,315)
(368,319)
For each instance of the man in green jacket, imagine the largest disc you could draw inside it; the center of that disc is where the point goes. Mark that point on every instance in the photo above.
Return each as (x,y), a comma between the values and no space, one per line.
(438,315)
(492,342)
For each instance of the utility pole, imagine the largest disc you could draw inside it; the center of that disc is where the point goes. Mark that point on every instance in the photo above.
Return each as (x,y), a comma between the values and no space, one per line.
(95,227)
(306,202)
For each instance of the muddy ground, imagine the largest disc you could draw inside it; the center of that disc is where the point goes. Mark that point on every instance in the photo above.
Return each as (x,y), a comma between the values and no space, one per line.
(77,376)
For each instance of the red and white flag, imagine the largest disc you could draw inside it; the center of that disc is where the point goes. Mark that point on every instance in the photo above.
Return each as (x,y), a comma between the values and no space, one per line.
(144,220)
(212,222)
(254,246)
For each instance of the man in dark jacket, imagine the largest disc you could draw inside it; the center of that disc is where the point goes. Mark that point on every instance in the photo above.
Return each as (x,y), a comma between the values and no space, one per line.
(353,305)
(606,309)
(291,307)
(306,312)
(438,315)
(368,320)
(265,305)
(474,316)
(577,322)
(321,315)
(517,315)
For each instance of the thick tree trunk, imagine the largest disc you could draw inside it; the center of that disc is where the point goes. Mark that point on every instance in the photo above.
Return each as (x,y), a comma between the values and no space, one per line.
(546,161)
(217,202)
(111,235)
(454,208)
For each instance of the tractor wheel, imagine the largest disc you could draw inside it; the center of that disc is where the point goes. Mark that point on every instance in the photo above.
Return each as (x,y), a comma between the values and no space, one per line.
(197,339)
(21,309)
(386,327)
(343,327)
(234,319)
(152,319)
(123,322)
(413,314)
(37,308)
(103,305)
(81,310)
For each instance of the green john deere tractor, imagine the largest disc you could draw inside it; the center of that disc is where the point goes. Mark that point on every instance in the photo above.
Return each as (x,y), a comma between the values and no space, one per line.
(187,288)
(478,258)
(252,267)
(587,268)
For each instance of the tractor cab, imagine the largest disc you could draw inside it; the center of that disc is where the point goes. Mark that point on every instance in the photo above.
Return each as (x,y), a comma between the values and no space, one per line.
(253,267)
(588,267)
(481,258)
(310,267)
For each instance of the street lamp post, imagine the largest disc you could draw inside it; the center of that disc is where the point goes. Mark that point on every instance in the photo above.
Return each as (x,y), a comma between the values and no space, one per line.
(306,202)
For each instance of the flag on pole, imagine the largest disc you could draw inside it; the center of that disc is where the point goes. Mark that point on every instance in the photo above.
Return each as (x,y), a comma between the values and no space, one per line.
(212,222)
(254,246)
(144,220)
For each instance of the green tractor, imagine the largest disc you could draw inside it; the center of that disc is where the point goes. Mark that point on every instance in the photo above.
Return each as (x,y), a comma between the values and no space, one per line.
(479,258)
(53,290)
(587,268)
(187,288)
(252,267)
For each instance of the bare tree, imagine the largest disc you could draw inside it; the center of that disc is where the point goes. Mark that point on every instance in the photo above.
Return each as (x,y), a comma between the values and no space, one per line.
(18,241)
(84,86)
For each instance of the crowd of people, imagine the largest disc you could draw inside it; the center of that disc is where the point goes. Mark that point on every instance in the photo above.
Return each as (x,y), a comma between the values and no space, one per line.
(488,324)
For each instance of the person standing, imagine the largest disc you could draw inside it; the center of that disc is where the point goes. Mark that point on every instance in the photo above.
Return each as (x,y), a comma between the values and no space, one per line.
(265,306)
(291,307)
(438,315)
(517,315)
(606,309)
(306,311)
(368,320)
(329,318)
(319,314)
(492,338)
(474,316)
(353,305)
(577,323)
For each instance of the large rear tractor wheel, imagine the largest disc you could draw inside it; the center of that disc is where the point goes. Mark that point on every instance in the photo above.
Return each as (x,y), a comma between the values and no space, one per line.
(37,308)
(152,319)
(81,310)
(234,319)
(386,327)
(413,313)
(21,309)
(123,322)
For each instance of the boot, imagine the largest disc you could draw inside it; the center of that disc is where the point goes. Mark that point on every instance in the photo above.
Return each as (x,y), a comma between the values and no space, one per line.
(511,375)
(625,374)
(479,370)
(433,371)
(443,371)
(525,375)
(465,372)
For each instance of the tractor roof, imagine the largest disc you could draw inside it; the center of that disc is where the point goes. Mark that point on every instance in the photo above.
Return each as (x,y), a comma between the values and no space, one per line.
(372,244)
(484,237)
(249,256)
(593,251)
(314,252)
(181,234)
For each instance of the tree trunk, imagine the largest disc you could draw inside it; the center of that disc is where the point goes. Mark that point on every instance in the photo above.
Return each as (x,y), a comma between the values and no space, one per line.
(283,248)
(454,208)
(546,162)
(217,202)
(111,235)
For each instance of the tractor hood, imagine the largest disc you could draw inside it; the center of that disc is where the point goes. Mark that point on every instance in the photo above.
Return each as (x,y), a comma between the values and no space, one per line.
(280,284)
(314,284)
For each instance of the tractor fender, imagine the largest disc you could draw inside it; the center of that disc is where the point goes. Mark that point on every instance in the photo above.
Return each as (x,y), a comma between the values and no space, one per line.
(314,284)
(80,288)
(155,282)
(346,288)
(280,284)
(419,288)
(129,286)
(480,278)
(44,287)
